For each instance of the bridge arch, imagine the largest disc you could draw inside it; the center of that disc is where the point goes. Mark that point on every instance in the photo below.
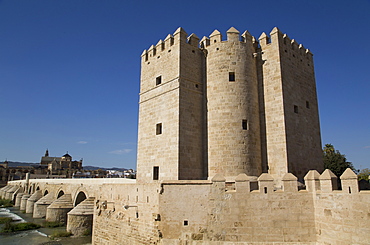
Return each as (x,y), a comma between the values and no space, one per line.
(81,196)
(60,193)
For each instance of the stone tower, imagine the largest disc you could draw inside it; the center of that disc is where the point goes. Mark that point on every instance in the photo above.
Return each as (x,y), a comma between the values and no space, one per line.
(227,106)
(290,126)
(171,115)
(233,125)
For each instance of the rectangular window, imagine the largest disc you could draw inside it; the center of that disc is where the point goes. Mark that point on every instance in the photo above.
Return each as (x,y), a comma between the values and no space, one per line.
(307,105)
(158,129)
(155,173)
(186,223)
(158,80)
(231,76)
(245,124)
(295,109)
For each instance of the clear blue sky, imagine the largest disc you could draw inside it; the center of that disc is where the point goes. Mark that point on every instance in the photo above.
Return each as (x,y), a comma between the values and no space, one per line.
(70,70)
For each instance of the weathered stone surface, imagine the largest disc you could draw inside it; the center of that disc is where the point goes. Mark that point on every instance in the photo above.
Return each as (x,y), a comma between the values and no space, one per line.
(57,210)
(24,202)
(80,218)
(32,200)
(40,207)
(18,199)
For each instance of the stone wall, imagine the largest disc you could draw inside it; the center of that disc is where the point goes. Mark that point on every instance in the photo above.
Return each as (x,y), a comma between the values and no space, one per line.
(220,211)
(125,214)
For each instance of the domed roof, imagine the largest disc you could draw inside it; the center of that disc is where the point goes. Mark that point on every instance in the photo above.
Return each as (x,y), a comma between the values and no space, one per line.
(67,155)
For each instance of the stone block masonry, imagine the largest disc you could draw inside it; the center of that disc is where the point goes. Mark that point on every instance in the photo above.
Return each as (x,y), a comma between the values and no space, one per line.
(217,211)
(232,106)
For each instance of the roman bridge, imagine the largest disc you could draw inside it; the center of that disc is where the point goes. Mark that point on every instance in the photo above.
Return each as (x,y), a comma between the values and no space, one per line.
(68,201)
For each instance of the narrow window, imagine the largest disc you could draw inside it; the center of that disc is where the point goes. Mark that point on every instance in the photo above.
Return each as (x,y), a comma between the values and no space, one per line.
(231,76)
(349,190)
(307,105)
(265,189)
(158,217)
(295,109)
(155,173)
(137,215)
(186,223)
(158,80)
(245,124)
(158,129)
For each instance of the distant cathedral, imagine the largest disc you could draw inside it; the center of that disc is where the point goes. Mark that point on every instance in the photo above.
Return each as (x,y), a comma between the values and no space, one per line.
(61,165)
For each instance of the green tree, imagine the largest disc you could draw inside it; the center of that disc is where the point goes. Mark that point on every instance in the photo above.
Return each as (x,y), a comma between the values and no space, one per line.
(335,161)
(364,174)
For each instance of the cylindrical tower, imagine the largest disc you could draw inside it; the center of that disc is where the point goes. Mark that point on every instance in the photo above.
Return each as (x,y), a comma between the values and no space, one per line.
(234,144)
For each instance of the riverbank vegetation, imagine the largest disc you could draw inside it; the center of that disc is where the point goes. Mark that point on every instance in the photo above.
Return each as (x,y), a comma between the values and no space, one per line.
(5,203)
(61,234)
(4,220)
(52,224)
(9,227)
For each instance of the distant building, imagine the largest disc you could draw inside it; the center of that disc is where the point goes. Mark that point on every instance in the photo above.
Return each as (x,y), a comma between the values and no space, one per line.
(49,167)
(61,165)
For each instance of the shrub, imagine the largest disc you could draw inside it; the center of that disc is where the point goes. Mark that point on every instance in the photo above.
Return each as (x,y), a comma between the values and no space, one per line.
(61,234)
(87,232)
(4,203)
(4,220)
(25,226)
(8,227)
(52,224)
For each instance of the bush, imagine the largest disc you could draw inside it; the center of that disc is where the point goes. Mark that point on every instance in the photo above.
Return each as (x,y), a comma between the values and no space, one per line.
(25,226)
(4,203)
(61,234)
(52,224)
(8,227)
(4,220)
(87,232)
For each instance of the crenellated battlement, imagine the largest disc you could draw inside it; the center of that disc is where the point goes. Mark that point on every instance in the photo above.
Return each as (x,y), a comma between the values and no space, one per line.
(314,182)
(283,40)
(178,37)
(232,35)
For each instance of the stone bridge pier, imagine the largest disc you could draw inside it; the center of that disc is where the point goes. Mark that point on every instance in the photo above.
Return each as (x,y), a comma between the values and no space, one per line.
(67,201)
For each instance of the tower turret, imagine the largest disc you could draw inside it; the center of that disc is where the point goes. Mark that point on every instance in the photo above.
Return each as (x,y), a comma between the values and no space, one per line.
(232,106)
(171,119)
(290,116)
